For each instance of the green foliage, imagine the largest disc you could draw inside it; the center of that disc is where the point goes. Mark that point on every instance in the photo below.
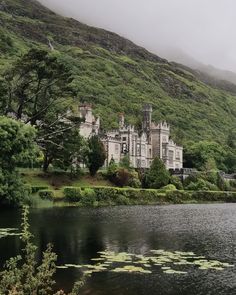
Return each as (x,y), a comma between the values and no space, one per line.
(176,182)
(134,180)
(201,185)
(206,181)
(121,176)
(125,162)
(211,196)
(157,176)
(13,192)
(24,276)
(100,196)
(118,196)
(16,143)
(64,149)
(6,43)
(169,187)
(230,161)
(232,184)
(96,154)
(47,194)
(88,197)
(205,155)
(72,194)
(38,86)
(178,197)
(122,200)
(117,78)
(222,184)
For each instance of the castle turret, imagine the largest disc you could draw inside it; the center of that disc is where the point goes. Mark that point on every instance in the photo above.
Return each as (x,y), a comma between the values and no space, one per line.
(121,120)
(90,124)
(147,120)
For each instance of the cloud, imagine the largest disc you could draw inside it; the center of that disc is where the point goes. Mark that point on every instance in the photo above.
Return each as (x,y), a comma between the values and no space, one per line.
(201,28)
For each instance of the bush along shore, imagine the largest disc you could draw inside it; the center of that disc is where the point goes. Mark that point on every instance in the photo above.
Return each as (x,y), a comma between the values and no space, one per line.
(111,196)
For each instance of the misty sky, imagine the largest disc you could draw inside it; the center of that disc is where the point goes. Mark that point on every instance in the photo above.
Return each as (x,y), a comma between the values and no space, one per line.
(203,29)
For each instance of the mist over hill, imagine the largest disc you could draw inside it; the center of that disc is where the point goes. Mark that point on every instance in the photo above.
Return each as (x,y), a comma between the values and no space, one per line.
(115,75)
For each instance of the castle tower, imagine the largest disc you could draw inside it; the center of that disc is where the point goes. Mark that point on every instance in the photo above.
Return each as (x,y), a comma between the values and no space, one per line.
(85,111)
(147,120)
(121,120)
(90,124)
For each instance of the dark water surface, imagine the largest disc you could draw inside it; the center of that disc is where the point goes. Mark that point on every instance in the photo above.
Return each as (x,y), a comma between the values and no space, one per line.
(78,234)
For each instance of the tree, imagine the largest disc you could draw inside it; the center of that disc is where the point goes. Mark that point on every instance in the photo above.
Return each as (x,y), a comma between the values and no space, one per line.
(16,144)
(199,154)
(38,89)
(157,176)
(61,145)
(125,163)
(96,154)
(36,83)
(230,161)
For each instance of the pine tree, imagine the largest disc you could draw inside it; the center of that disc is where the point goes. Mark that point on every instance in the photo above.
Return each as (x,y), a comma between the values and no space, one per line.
(96,154)
(158,176)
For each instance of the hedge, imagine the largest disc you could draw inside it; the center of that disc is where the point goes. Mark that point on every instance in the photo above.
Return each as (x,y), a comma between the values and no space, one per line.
(72,194)
(214,196)
(130,196)
(112,195)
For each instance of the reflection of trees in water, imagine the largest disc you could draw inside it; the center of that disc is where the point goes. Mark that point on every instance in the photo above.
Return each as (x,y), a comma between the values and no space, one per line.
(9,246)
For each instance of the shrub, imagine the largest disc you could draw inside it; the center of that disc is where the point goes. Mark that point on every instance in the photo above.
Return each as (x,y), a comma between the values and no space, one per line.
(88,197)
(201,184)
(72,194)
(232,184)
(122,177)
(169,187)
(47,194)
(176,182)
(134,180)
(122,200)
(178,197)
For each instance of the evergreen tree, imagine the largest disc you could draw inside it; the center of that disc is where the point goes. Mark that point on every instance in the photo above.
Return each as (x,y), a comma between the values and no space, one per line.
(125,162)
(96,154)
(157,176)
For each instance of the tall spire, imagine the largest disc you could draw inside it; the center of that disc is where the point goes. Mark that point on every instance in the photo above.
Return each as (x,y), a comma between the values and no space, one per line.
(147,120)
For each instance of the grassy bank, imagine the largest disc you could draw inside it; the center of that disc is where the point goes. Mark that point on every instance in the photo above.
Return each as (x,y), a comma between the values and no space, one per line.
(84,190)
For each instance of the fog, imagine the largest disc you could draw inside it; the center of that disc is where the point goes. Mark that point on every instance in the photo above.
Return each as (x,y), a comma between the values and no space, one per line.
(202,29)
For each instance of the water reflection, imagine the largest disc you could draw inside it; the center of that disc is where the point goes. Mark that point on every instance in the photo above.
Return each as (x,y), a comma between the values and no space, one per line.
(78,234)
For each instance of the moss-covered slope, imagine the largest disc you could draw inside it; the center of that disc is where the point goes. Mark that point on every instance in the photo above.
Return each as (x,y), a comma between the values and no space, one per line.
(117,76)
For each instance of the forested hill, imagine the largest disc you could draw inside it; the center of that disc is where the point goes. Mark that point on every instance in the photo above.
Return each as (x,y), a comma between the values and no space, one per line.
(115,75)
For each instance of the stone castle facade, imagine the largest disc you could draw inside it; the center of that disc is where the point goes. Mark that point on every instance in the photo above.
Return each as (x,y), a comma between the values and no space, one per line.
(140,146)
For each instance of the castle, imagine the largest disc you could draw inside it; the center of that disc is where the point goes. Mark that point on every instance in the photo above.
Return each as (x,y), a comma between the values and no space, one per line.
(140,146)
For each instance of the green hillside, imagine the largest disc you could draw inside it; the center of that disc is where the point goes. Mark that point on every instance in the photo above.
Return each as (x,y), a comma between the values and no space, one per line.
(116,76)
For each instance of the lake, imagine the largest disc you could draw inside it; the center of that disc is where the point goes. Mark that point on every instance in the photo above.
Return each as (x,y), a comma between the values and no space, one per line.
(78,234)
